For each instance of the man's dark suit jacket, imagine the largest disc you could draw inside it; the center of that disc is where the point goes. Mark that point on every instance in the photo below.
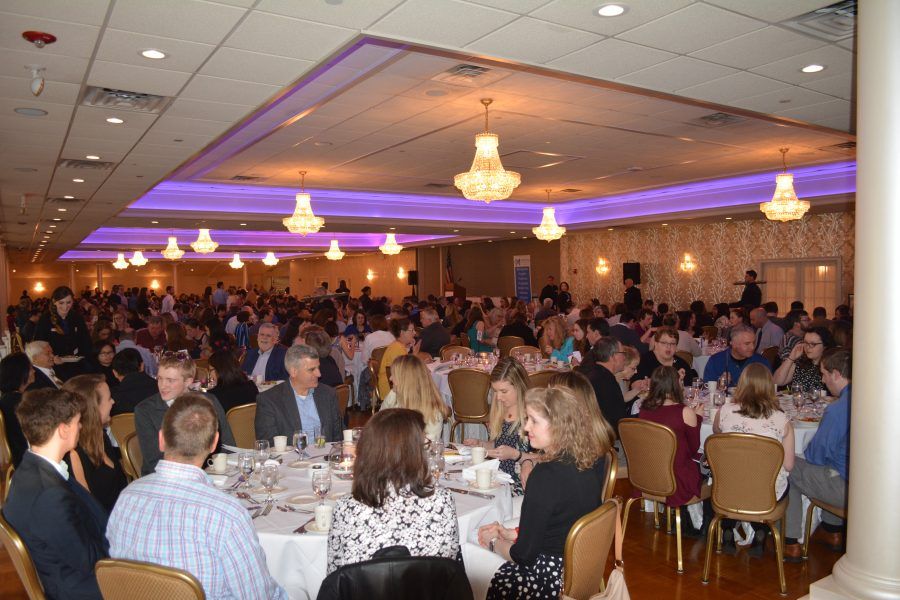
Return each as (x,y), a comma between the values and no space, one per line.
(148,418)
(275,369)
(628,337)
(609,394)
(41,381)
(520,329)
(434,337)
(134,388)
(277,413)
(62,526)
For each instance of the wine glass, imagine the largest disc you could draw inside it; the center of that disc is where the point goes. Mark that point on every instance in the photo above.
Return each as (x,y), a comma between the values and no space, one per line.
(797,395)
(268,477)
(246,466)
(301,441)
(321,484)
(262,450)
(357,433)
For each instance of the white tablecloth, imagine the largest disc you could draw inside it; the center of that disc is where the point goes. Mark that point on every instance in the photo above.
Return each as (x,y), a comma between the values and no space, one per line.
(298,562)
(803,433)
(700,364)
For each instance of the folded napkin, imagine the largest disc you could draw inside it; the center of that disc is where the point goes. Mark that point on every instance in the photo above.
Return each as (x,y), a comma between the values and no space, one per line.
(454,458)
(462,449)
(494,465)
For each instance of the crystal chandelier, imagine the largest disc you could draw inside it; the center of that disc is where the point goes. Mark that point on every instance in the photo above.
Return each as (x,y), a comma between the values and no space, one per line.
(784,206)
(121,263)
(303,221)
(204,244)
(548,230)
(236,263)
(390,245)
(487,180)
(334,252)
(172,251)
(138,259)
(270,260)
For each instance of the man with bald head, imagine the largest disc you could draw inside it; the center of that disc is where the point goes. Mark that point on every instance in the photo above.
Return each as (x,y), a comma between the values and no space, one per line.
(768,334)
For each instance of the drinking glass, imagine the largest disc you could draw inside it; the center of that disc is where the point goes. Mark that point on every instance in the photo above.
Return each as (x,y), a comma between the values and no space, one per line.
(301,441)
(246,466)
(319,437)
(268,477)
(357,433)
(262,450)
(321,484)
(797,395)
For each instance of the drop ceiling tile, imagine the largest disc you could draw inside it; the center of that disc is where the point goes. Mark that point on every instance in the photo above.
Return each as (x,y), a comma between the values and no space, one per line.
(137,79)
(582,14)
(106,149)
(171,124)
(72,39)
(534,41)
(758,48)
(125,47)
(772,11)
(691,28)
(441,22)
(819,112)
(19,124)
(835,59)
(790,97)
(68,69)
(677,73)
(216,89)
(849,44)
(254,66)
(284,36)
(91,122)
(610,59)
(731,87)
(191,20)
(55,92)
(60,113)
(88,12)
(844,123)
(199,109)
(354,15)
(161,137)
(839,85)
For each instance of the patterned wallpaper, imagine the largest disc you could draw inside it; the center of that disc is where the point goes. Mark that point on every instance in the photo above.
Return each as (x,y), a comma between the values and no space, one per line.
(722,251)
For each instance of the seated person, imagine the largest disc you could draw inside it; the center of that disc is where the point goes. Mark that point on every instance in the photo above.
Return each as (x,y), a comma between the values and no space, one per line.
(433,336)
(16,375)
(300,403)
(267,360)
(232,387)
(176,374)
(134,384)
(554,342)
(43,360)
(316,338)
(404,333)
(624,331)
(665,342)
(801,367)
(564,487)
(517,325)
(734,359)
(477,329)
(177,518)
(413,388)
(769,335)
(62,525)
(153,336)
(104,352)
(822,473)
(600,366)
(797,322)
(394,500)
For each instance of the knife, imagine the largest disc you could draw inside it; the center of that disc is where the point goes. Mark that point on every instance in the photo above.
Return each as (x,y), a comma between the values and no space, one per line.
(302,528)
(471,493)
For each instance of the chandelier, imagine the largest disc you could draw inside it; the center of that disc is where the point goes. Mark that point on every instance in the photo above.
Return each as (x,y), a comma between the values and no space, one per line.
(204,244)
(390,245)
(487,180)
(270,260)
(236,263)
(303,220)
(172,251)
(548,230)
(784,206)
(121,263)
(334,252)
(138,259)
(602,267)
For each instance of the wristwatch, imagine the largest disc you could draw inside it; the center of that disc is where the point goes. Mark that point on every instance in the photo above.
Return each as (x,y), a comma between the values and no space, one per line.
(491,544)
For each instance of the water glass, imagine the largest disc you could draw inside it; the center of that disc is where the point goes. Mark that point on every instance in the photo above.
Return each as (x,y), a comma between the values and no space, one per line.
(268,477)
(321,484)
(319,437)
(357,433)
(301,441)
(246,466)
(262,450)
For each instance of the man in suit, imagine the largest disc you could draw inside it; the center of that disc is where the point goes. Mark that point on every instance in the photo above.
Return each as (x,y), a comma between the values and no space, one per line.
(62,525)
(600,366)
(42,359)
(299,403)
(176,374)
(632,298)
(433,336)
(751,296)
(268,359)
(134,385)
(625,333)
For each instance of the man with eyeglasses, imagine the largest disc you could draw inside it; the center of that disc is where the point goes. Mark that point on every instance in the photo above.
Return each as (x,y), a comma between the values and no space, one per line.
(600,366)
(735,359)
(663,353)
(267,360)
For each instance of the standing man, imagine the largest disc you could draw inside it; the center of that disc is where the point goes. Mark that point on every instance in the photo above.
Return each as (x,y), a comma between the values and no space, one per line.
(220,296)
(632,298)
(168,301)
(550,291)
(752,295)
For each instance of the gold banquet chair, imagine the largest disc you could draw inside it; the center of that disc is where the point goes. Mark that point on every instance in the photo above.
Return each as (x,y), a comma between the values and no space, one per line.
(587,548)
(133,580)
(685,356)
(520,351)
(449,350)
(813,503)
(242,419)
(5,459)
(132,458)
(744,469)
(342,394)
(120,426)
(612,471)
(21,560)
(469,388)
(507,343)
(540,379)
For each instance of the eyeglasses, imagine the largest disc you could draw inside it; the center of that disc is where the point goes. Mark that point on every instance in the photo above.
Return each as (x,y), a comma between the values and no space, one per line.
(669,344)
(813,344)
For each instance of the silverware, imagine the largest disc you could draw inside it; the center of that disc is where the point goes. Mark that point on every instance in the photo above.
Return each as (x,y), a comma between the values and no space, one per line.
(257,513)
(268,508)
(471,493)
(287,508)
(237,483)
(302,528)
(247,497)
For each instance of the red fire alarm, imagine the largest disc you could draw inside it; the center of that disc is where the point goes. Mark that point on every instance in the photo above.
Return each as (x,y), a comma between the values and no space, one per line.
(39,38)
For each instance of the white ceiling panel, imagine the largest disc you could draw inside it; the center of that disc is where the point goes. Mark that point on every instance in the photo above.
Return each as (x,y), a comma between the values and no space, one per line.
(126,47)
(691,28)
(68,69)
(73,39)
(284,36)
(677,73)
(106,149)
(731,87)
(58,113)
(16,123)
(89,12)
(610,59)
(254,66)
(582,14)
(758,48)
(442,22)
(191,20)
(836,61)
(91,122)
(216,89)
(522,7)
(55,92)
(772,11)
(839,85)
(199,109)
(354,15)
(791,97)
(160,136)
(818,112)
(534,41)
(172,124)
(137,79)
(842,123)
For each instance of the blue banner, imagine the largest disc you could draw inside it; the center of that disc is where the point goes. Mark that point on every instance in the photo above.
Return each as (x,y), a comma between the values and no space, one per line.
(522,273)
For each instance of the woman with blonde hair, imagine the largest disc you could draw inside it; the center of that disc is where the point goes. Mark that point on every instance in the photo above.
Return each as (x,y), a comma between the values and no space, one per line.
(554,342)
(415,389)
(563,488)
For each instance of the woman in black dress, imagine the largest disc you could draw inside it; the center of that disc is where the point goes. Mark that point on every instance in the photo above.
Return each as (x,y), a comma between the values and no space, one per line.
(232,388)
(16,374)
(64,328)
(104,353)
(95,461)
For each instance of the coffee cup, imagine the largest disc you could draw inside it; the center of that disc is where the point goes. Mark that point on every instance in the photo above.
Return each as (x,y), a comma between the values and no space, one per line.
(323,516)
(280,443)
(218,462)
(478,454)
(348,435)
(483,478)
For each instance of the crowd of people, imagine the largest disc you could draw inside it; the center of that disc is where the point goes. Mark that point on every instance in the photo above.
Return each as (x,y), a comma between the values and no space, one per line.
(87,358)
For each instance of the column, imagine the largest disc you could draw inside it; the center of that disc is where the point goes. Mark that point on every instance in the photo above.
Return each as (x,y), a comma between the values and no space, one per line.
(99,276)
(871,567)
(246,276)
(72,281)
(6,298)
(175,277)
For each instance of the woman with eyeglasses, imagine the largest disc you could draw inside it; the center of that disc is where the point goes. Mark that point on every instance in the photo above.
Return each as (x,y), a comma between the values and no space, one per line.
(802,364)
(104,353)
(663,354)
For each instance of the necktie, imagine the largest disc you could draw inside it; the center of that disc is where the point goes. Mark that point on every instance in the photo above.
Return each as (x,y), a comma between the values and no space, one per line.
(758,339)
(56,380)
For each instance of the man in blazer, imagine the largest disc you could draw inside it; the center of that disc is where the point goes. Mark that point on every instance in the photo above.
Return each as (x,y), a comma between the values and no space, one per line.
(62,525)
(42,359)
(299,403)
(268,359)
(175,375)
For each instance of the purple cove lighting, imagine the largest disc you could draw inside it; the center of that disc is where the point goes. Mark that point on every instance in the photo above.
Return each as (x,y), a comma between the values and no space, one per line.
(108,255)
(126,237)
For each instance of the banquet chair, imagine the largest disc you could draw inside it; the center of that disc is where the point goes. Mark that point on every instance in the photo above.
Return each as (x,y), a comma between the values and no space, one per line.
(744,469)
(464,340)
(375,368)
(449,350)
(686,357)
(771,355)
(241,420)
(121,426)
(709,332)
(612,471)
(519,351)
(5,457)
(813,503)
(342,392)
(650,452)
(469,389)
(132,459)
(507,343)
(21,560)
(540,379)
(133,580)
(202,363)
(587,548)
(7,481)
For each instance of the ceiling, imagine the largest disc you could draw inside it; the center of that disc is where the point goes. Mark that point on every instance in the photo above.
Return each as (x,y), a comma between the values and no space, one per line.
(358,95)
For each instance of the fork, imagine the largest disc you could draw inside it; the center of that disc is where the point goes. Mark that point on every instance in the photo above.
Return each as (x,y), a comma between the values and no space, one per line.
(302,528)
(257,513)
(292,509)
(268,508)
(247,497)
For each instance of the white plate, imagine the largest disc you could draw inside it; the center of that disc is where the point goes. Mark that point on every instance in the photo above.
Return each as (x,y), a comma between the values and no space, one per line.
(262,491)
(495,485)
(335,496)
(799,423)
(302,500)
(311,528)
(300,464)
(229,472)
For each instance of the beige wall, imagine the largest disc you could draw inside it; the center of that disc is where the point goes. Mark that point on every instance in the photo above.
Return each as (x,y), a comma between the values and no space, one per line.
(722,251)
(306,273)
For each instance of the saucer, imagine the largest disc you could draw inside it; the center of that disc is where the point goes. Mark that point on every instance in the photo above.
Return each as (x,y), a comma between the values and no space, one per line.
(335,496)
(303,500)
(230,471)
(495,485)
(311,528)
(300,464)
(261,490)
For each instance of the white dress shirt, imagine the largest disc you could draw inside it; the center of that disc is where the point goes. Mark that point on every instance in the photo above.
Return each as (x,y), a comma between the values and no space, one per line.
(260,367)
(376,339)
(50,375)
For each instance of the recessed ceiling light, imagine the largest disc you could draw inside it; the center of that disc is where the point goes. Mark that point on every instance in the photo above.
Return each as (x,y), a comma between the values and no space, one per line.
(727,218)
(524,237)
(459,244)
(610,10)
(456,231)
(153,53)
(92,157)
(30,112)
(69,197)
(813,68)
(52,226)
(665,224)
(393,228)
(57,219)
(61,209)
(48,232)
(115,120)
(512,231)
(243,224)
(78,180)
(610,229)
(490,241)
(155,222)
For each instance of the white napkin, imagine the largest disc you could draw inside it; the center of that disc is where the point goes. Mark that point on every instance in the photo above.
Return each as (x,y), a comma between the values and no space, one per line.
(454,458)
(494,465)
(462,449)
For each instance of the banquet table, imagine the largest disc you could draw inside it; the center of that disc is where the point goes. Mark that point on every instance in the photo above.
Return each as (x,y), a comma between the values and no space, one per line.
(298,561)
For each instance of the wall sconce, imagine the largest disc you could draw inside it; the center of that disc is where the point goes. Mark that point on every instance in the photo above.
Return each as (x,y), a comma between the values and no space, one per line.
(39,287)
(602,266)
(401,273)
(154,285)
(370,275)
(688,265)
(822,270)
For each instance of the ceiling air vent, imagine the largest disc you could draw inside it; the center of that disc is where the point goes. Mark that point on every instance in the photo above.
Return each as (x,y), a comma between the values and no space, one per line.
(124,100)
(470,75)
(439,186)
(831,23)
(843,148)
(719,119)
(96,165)
(247,178)
(570,190)
(61,200)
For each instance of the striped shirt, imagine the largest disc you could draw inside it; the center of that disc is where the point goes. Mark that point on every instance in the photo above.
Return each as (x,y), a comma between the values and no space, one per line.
(176,517)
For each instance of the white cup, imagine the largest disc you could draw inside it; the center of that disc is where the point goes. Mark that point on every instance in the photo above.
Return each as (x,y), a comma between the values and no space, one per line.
(478,454)
(323,516)
(483,478)
(219,462)
(258,379)
(280,443)
(711,386)
(348,435)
